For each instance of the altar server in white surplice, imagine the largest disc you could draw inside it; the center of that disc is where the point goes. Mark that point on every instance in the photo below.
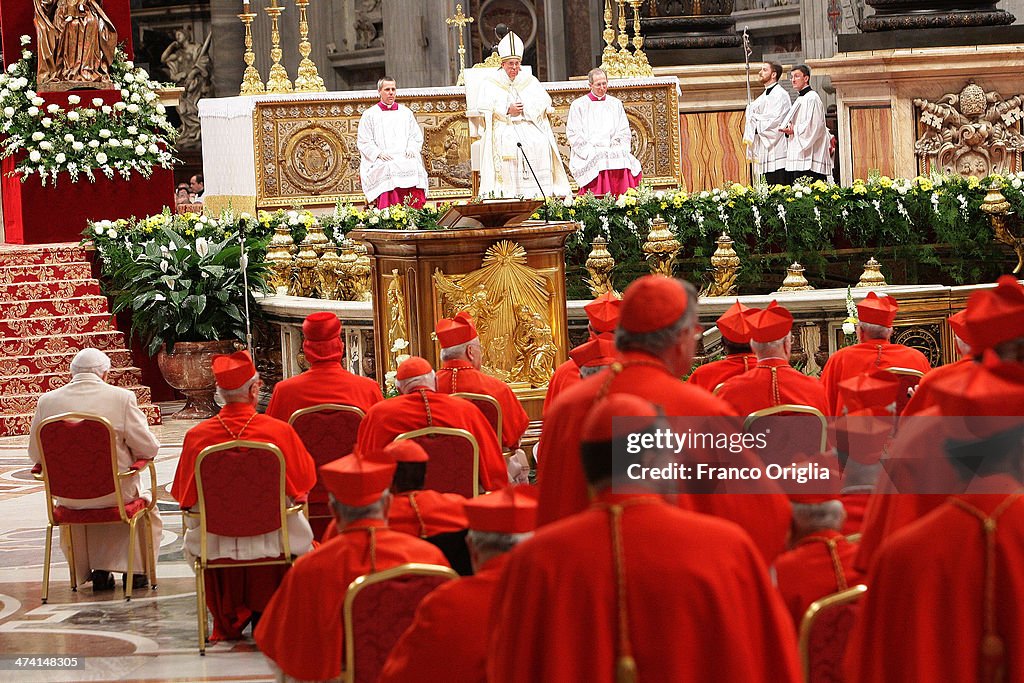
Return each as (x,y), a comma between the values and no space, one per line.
(766,145)
(598,131)
(810,144)
(515,108)
(390,151)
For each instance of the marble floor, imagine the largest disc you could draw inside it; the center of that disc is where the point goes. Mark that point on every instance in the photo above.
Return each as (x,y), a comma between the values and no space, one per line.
(152,638)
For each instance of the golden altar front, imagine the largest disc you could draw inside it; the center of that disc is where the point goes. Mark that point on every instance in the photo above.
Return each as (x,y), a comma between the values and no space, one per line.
(270,151)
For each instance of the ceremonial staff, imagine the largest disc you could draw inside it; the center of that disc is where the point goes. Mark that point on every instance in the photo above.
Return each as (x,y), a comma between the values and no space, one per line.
(747,51)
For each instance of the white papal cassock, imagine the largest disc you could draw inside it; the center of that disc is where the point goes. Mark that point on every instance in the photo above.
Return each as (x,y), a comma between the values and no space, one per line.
(503,172)
(767,146)
(393,132)
(598,132)
(808,145)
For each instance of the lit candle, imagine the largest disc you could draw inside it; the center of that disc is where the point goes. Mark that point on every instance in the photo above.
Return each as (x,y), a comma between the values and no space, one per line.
(245,6)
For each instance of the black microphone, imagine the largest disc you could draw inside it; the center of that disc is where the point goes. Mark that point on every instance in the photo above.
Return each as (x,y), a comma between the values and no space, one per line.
(539,186)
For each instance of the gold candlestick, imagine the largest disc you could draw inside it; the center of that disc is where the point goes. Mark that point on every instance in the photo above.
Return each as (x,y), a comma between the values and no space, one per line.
(641,67)
(609,58)
(278,81)
(624,56)
(460,20)
(306,79)
(252,84)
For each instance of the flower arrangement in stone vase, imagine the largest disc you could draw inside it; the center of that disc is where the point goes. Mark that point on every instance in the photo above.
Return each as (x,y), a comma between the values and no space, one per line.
(181,275)
(92,134)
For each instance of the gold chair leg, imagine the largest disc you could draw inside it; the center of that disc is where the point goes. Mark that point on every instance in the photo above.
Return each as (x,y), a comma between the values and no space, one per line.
(72,566)
(129,578)
(46,562)
(201,606)
(151,547)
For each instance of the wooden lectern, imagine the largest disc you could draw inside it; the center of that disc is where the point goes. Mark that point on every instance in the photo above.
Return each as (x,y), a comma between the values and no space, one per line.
(511,279)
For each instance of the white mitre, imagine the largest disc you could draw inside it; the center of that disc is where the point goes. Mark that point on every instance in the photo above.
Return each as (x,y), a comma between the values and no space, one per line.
(510,47)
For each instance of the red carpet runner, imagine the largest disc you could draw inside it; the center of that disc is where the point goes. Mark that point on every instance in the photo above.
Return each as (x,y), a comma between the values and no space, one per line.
(50,308)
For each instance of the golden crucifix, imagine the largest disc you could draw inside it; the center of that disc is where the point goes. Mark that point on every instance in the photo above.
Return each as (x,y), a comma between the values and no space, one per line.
(460,20)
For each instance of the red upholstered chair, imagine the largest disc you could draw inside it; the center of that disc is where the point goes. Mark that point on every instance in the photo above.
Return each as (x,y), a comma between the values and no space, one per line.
(454,459)
(79,460)
(794,430)
(824,632)
(378,609)
(908,378)
(488,405)
(241,493)
(328,431)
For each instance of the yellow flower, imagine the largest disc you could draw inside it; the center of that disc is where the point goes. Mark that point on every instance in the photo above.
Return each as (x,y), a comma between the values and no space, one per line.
(835,195)
(925,184)
(973,181)
(819,185)
(885,181)
(738,189)
(859,189)
(789,199)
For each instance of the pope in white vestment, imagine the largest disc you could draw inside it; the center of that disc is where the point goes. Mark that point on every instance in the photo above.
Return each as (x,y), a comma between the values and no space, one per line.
(767,147)
(598,131)
(808,152)
(390,152)
(515,108)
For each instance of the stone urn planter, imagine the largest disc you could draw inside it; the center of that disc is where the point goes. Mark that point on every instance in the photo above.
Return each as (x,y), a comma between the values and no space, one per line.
(188,369)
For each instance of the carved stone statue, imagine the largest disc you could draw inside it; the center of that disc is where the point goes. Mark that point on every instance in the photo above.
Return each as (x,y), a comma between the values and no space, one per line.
(973,133)
(188,65)
(76,41)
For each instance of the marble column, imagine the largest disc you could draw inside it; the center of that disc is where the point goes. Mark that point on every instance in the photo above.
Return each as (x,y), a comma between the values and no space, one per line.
(419,48)
(227,46)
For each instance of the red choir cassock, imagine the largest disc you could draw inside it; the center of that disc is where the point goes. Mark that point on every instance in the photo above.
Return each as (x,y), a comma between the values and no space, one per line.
(425,408)
(446,640)
(463,375)
(855,503)
(733,326)
(772,382)
(460,376)
(656,303)
(325,381)
(233,594)
(301,629)
(869,355)
(821,563)
(922,397)
(603,316)
(944,597)
(690,580)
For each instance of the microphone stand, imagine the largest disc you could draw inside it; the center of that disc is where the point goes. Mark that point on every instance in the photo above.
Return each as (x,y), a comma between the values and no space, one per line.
(535,179)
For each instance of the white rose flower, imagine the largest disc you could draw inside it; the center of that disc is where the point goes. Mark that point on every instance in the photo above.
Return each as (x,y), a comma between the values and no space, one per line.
(119,106)
(34,156)
(52,108)
(37,136)
(161,108)
(111,233)
(149,96)
(74,99)
(46,145)
(98,228)
(11,68)
(73,115)
(97,101)
(849,328)
(77,146)
(25,40)
(1016,183)
(113,143)
(94,143)
(38,101)
(153,149)
(104,133)
(127,143)
(143,138)
(107,109)
(133,130)
(33,111)
(133,108)
(26,54)
(68,137)
(128,78)
(293,214)
(140,150)
(135,97)
(9,112)
(15,84)
(60,158)
(101,158)
(46,122)
(130,64)
(202,246)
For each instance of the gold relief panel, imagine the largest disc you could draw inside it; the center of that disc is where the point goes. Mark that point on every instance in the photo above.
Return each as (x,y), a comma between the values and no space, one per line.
(314,159)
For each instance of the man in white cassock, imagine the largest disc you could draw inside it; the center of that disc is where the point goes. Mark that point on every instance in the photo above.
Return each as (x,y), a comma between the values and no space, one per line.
(767,147)
(390,151)
(598,131)
(515,108)
(102,548)
(809,151)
